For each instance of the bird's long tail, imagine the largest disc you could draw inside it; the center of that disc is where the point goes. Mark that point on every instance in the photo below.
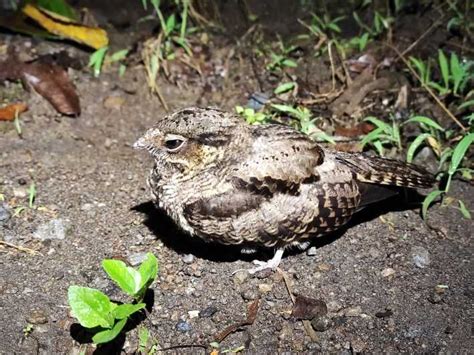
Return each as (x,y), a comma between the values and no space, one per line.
(375,170)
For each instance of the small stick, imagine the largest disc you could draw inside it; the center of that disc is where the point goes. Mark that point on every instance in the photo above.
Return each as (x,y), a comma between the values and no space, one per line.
(20,248)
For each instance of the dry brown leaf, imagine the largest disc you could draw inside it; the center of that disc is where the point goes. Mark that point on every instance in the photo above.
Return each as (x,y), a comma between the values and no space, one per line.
(308,308)
(52,82)
(9,112)
(91,36)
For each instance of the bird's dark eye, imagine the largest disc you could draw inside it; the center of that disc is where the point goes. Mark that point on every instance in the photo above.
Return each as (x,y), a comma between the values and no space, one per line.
(173,144)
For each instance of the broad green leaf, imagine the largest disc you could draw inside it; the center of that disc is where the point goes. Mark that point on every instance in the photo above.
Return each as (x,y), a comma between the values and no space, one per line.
(90,306)
(284,87)
(148,270)
(289,63)
(60,7)
(170,24)
(128,279)
(425,120)
(429,199)
(110,334)
(464,210)
(125,310)
(459,152)
(414,146)
(443,64)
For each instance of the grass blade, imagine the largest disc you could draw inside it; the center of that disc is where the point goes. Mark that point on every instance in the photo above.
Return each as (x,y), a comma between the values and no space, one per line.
(415,145)
(460,152)
(429,199)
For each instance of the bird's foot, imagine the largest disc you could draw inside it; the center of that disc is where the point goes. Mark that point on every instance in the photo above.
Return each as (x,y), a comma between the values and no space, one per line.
(270,264)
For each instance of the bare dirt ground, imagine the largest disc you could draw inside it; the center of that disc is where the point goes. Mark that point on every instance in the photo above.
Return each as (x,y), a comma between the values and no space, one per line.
(390,282)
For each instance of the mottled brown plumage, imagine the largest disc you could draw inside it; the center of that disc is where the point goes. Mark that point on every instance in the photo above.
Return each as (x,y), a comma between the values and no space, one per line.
(263,185)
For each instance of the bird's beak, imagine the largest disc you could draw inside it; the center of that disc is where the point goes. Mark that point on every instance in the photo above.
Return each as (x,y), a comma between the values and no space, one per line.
(148,140)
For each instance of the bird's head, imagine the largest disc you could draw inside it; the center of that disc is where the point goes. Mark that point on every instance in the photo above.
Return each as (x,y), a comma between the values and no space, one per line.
(189,140)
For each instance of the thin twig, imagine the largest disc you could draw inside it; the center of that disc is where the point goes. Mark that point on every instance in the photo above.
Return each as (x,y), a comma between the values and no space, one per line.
(306,323)
(427,88)
(20,248)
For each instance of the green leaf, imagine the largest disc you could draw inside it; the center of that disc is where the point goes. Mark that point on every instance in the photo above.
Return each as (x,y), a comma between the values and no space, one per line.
(287,109)
(90,306)
(97,60)
(127,278)
(372,136)
(459,152)
(465,212)
(426,121)
(143,336)
(110,334)
(457,71)
(148,270)
(284,87)
(414,146)
(289,63)
(429,199)
(466,104)
(125,310)
(119,55)
(170,24)
(60,7)
(443,64)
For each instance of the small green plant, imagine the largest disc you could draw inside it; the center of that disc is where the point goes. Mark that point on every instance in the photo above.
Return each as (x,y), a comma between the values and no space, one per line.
(146,344)
(380,24)
(100,58)
(455,74)
(282,59)
(95,311)
(456,159)
(252,116)
(27,330)
(305,121)
(383,134)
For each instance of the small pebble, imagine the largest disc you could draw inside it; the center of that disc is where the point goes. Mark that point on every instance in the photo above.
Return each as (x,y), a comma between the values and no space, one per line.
(20,192)
(353,311)
(137,258)
(420,256)
(312,251)
(183,326)
(37,317)
(193,314)
(264,288)
(54,229)
(240,277)
(4,213)
(249,295)
(321,323)
(208,312)
(387,272)
(188,259)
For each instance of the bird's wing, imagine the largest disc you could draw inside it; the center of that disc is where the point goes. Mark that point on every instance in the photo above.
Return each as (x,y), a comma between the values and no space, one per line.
(280,160)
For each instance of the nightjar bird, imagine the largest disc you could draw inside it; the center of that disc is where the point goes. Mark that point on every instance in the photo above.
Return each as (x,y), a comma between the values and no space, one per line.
(226,181)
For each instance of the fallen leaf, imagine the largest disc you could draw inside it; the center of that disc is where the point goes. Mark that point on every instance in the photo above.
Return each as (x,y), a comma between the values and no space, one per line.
(62,26)
(355,131)
(308,308)
(52,82)
(9,112)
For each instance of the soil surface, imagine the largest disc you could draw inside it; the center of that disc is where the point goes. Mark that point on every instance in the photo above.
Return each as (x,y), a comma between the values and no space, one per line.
(390,282)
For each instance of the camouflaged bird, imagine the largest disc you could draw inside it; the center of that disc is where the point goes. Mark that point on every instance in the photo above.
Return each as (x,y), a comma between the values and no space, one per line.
(261,185)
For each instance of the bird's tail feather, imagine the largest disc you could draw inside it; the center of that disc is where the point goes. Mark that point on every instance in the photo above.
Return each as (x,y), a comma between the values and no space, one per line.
(376,170)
